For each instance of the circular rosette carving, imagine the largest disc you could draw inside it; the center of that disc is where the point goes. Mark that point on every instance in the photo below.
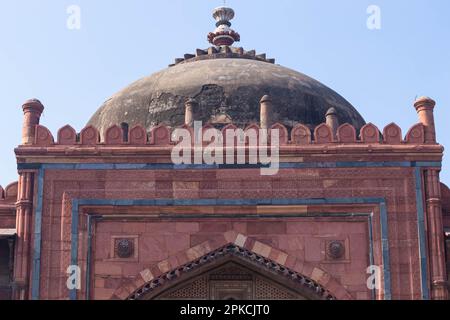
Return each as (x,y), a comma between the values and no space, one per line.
(336,250)
(124,248)
(301,134)
(346,133)
(392,134)
(323,134)
(416,134)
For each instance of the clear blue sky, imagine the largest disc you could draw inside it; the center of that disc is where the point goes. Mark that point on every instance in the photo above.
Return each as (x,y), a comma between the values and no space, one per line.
(72,72)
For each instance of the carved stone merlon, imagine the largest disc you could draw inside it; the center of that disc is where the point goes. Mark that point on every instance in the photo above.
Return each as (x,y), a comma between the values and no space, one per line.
(189,112)
(332,120)
(32,110)
(425,109)
(266,112)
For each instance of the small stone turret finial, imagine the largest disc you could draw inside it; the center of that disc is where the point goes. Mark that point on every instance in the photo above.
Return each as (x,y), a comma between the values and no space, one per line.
(32,110)
(189,111)
(332,120)
(425,109)
(266,112)
(223,35)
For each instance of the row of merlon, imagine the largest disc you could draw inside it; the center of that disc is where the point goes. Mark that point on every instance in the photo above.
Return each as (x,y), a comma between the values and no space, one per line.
(225,51)
(330,132)
(299,135)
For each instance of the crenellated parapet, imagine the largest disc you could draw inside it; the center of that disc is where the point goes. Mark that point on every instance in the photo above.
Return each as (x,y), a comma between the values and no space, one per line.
(300,141)
(8,195)
(8,199)
(298,135)
(222,53)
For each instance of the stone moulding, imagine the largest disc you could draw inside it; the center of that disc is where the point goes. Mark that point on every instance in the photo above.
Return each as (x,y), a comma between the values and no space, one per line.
(299,135)
(221,53)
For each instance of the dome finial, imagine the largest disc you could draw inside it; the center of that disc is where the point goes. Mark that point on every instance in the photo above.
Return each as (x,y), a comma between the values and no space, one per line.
(223,35)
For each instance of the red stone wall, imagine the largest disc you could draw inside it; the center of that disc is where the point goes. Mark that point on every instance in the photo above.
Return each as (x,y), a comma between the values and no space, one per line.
(8,220)
(161,238)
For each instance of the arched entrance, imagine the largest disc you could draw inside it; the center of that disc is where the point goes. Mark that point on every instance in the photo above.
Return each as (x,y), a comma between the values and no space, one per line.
(232,273)
(230,280)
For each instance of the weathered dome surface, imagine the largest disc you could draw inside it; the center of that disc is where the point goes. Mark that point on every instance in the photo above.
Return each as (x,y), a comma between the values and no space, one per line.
(226,90)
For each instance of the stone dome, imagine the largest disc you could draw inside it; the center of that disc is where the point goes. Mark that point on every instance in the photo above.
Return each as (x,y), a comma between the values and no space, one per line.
(226,90)
(227,84)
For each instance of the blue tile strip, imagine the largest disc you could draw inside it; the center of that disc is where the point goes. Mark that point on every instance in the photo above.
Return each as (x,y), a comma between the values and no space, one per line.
(90,220)
(385,250)
(422,235)
(36,265)
(371,260)
(74,247)
(35,281)
(168,166)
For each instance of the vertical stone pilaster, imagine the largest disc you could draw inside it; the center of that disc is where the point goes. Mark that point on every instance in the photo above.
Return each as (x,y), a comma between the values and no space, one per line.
(22,254)
(436,241)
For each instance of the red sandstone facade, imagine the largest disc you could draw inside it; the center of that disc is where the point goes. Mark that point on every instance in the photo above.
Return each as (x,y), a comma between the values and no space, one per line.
(105,214)
(379,199)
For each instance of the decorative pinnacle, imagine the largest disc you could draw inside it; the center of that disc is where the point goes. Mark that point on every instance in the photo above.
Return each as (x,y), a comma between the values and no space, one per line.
(33,104)
(424,102)
(331,112)
(223,35)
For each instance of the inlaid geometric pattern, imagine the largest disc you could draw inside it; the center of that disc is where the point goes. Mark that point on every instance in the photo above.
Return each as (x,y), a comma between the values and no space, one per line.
(230,282)
(265,290)
(196,290)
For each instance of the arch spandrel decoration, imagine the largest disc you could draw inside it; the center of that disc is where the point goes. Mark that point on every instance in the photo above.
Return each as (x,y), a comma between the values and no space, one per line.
(253,279)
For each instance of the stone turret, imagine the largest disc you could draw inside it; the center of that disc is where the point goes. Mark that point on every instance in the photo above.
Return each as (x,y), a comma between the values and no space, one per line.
(332,120)
(425,109)
(266,112)
(32,110)
(189,112)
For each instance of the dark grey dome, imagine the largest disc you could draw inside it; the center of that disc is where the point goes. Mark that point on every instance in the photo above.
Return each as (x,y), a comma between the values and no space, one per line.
(226,89)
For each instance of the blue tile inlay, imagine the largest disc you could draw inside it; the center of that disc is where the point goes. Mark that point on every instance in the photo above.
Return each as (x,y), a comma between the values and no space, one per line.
(422,235)
(168,166)
(36,265)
